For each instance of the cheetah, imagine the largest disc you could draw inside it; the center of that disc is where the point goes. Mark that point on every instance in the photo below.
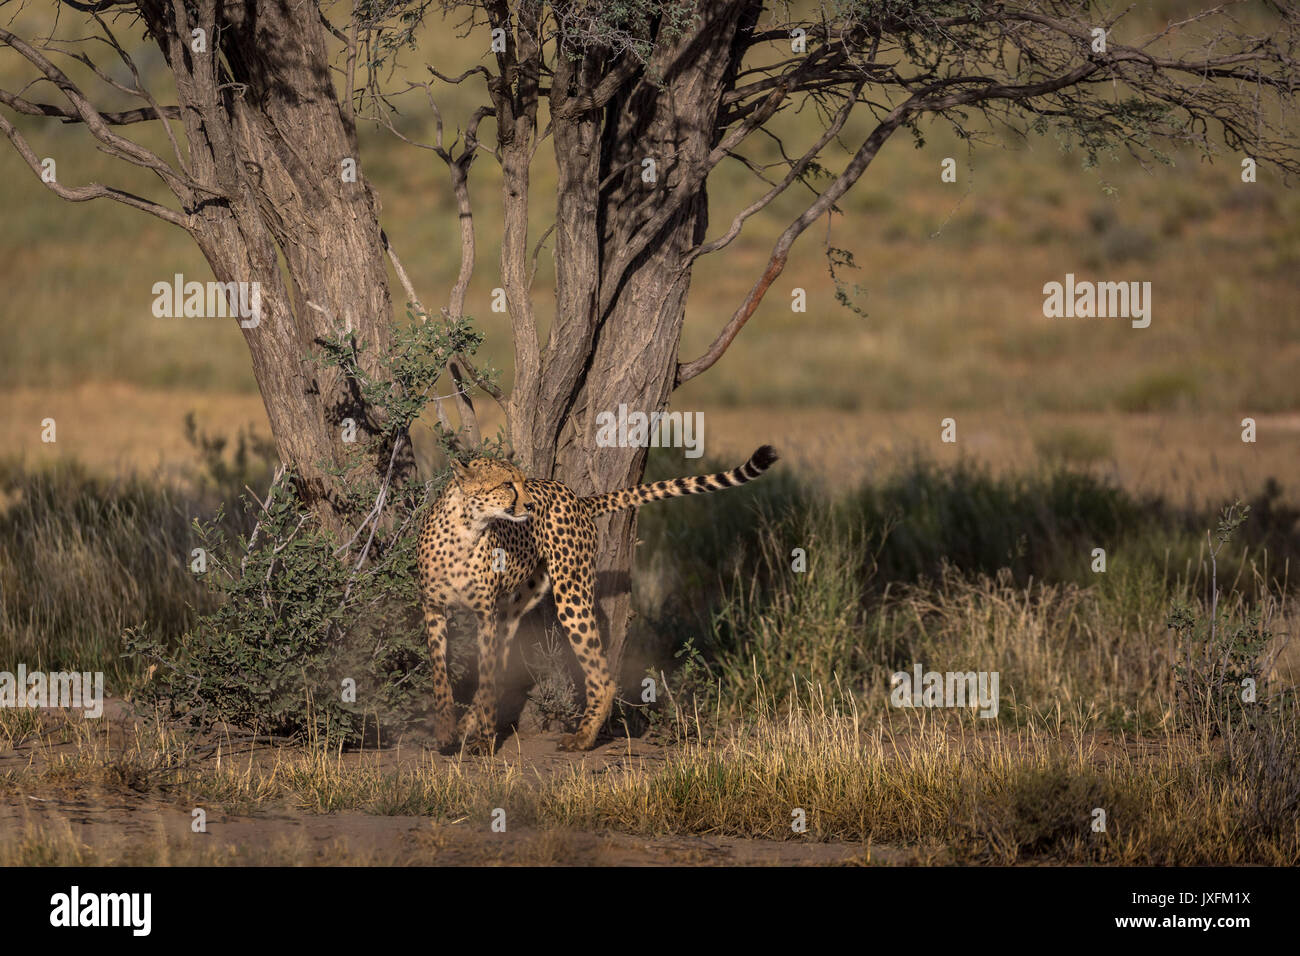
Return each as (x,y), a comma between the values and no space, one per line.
(494,542)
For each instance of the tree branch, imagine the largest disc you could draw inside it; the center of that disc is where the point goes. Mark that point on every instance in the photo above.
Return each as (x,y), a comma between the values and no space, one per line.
(123,118)
(114,144)
(781,250)
(93,190)
(796,171)
(689,186)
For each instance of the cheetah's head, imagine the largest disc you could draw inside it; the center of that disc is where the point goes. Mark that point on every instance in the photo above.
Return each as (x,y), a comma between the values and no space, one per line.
(491,489)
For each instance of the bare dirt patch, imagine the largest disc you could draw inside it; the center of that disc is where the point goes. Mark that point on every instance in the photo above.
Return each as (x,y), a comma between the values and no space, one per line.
(117,827)
(103,814)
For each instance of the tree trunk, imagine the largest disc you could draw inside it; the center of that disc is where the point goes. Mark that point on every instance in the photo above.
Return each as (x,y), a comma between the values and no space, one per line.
(266,130)
(621,286)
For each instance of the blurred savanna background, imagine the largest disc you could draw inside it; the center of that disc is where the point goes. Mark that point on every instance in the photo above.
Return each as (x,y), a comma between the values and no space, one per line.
(979,554)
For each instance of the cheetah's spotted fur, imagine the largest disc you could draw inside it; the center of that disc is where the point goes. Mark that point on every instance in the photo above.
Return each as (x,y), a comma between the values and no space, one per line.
(546,536)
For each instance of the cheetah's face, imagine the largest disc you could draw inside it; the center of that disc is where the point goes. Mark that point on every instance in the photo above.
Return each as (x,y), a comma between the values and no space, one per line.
(492,489)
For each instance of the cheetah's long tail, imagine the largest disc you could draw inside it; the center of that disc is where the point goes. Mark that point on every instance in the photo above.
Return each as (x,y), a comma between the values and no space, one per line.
(759,462)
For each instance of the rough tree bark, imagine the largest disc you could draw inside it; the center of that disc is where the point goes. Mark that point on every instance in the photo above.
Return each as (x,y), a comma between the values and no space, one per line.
(264,126)
(260,187)
(621,282)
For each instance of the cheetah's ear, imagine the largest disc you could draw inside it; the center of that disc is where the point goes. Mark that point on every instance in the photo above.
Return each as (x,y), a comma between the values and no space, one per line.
(458,471)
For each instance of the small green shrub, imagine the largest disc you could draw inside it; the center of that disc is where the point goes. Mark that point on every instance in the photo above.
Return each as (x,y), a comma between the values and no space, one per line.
(1043,812)
(313,636)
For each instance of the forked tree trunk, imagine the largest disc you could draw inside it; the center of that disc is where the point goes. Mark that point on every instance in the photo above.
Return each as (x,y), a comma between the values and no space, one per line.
(266,129)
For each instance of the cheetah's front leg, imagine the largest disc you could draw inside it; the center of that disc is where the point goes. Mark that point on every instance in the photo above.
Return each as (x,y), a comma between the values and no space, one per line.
(444,709)
(478,728)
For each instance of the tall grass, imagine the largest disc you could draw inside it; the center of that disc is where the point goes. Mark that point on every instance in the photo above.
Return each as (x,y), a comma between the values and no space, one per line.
(83,558)
(987,795)
(955,569)
(949,566)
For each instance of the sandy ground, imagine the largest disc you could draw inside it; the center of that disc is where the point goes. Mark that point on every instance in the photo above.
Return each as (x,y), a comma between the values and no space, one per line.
(353,838)
(112,821)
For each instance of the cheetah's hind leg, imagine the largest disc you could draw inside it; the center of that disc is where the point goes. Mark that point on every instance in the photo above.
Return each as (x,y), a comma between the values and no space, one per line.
(444,708)
(575,601)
